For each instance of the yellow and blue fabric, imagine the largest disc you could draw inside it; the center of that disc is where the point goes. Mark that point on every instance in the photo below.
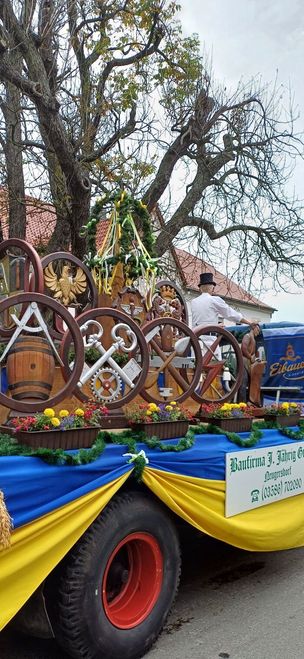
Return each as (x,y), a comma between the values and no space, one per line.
(51,506)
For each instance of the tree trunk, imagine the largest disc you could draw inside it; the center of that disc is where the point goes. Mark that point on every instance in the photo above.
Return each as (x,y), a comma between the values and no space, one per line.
(13,155)
(80,216)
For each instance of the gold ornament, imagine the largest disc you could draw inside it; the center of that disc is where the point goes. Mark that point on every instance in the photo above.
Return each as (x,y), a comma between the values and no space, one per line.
(66,287)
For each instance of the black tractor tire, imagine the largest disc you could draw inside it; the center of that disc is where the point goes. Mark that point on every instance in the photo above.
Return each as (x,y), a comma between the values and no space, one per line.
(118,583)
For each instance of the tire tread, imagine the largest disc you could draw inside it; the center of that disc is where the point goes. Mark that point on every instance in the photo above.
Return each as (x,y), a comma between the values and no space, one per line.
(68,627)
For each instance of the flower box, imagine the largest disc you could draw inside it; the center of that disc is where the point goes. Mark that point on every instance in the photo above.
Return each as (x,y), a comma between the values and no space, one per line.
(74,438)
(163,429)
(240,424)
(165,420)
(64,430)
(257,412)
(282,419)
(114,422)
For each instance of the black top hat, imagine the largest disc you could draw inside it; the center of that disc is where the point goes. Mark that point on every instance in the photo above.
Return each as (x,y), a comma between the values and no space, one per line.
(206,278)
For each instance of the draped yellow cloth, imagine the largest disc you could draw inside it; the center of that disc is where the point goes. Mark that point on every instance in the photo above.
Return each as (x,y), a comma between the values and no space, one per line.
(36,548)
(201,502)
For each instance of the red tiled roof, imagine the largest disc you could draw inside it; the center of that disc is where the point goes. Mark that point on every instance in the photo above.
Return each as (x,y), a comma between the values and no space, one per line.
(102,228)
(191,268)
(40,219)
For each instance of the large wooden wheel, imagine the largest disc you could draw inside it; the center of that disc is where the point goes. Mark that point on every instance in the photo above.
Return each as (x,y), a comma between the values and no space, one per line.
(175,360)
(32,322)
(118,357)
(222,365)
(31,259)
(17,260)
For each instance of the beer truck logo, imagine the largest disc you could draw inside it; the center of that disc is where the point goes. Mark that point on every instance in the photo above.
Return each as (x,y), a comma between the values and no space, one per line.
(290,365)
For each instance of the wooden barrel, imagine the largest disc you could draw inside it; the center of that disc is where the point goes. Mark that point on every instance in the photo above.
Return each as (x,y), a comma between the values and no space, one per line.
(30,369)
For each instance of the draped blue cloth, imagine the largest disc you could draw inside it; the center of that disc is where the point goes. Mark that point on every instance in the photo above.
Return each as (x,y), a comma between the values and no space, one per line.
(33,488)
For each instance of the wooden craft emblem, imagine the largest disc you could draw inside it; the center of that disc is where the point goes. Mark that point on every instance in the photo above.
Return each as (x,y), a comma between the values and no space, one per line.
(65,287)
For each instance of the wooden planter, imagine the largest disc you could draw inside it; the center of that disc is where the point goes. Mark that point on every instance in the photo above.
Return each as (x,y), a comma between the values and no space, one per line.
(257,412)
(240,424)
(163,429)
(282,420)
(114,420)
(66,439)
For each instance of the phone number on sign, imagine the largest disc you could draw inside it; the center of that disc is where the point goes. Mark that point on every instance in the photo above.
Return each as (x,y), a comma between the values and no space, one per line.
(276,490)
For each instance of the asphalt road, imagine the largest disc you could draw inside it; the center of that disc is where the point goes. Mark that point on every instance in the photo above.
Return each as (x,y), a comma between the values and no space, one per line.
(231,604)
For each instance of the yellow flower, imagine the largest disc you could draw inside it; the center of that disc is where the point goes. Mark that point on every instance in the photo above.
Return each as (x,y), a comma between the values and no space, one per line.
(55,422)
(79,412)
(153,407)
(293,405)
(169,408)
(173,402)
(49,412)
(148,412)
(285,406)
(63,413)
(242,405)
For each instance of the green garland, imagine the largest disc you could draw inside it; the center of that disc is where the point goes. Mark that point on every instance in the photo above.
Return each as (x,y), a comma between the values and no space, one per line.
(182,445)
(127,207)
(293,434)
(9,445)
(233,437)
(287,432)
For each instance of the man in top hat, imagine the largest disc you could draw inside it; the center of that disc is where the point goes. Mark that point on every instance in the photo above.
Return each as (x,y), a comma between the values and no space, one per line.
(207,308)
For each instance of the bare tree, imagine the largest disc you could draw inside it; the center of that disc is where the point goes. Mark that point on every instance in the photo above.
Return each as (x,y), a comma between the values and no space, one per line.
(63,46)
(121,99)
(241,152)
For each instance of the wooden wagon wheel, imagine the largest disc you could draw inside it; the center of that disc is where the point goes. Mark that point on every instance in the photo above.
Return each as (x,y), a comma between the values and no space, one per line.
(222,358)
(53,288)
(113,336)
(34,306)
(32,259)
(175,358)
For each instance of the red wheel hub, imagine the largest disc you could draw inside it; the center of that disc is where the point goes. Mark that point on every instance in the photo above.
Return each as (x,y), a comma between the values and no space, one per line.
(132,580)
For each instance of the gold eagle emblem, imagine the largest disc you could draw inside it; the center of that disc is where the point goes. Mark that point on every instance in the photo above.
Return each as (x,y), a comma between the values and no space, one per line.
(65,287)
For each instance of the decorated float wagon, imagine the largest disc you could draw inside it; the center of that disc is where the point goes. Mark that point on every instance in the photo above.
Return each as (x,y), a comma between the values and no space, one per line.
(113,430)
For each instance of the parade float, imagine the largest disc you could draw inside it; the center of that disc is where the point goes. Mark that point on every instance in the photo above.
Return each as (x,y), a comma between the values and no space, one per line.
(110,413)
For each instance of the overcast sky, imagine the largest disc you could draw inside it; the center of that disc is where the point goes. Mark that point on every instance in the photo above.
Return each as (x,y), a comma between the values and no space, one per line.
(250,37)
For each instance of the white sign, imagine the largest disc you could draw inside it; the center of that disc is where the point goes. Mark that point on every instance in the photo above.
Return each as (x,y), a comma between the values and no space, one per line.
(132,369)
(260,476)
